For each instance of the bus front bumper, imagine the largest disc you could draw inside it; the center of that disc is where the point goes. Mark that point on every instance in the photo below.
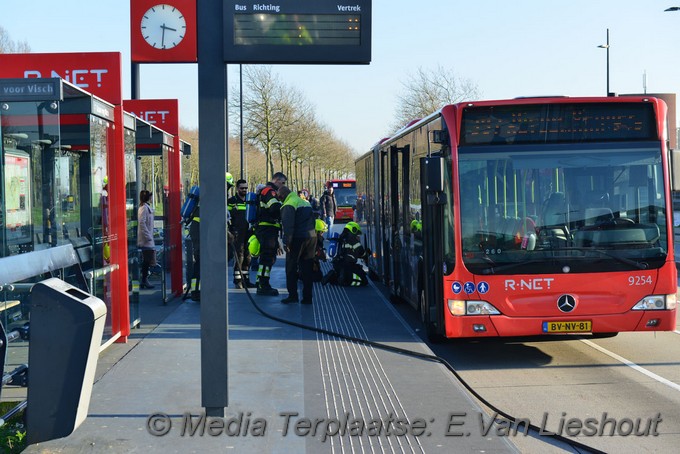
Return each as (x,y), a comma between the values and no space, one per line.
(505,326)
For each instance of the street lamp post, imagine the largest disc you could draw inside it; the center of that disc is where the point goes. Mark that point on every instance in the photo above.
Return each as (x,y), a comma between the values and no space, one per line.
(301,183)
(606,46)
(240,106)
(295,172)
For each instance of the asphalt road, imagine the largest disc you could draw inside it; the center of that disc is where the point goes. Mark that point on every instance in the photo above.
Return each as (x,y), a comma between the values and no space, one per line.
(629,384)
(616,382)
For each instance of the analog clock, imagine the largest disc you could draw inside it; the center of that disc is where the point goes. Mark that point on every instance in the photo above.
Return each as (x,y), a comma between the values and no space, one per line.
(163,26)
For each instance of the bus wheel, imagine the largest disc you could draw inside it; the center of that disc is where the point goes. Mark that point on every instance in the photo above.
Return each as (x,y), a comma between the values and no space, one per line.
(421,306)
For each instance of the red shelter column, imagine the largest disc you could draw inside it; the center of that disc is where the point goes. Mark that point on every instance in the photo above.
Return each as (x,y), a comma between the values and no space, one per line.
(120,316)
(174,215)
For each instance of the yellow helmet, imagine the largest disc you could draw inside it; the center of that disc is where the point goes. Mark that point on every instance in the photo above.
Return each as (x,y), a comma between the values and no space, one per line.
(320,226)
(229,179)
(353,227)
(254,246)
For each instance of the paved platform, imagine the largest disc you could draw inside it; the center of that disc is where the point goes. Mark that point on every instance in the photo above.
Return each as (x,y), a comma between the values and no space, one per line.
(290,390)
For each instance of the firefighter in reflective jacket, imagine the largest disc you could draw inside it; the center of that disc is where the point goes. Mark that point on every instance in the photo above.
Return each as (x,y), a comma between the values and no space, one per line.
(299,239)
(346,268)
(267,232)
(195,235)
(193,221)
(320,227)
(240,228)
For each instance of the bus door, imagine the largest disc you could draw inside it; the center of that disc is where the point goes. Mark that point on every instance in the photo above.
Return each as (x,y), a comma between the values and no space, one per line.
(402,236)
(385,213)
(394,238)
(433,205)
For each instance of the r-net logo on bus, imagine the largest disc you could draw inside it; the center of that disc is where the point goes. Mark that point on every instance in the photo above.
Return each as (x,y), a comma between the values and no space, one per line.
(537,284)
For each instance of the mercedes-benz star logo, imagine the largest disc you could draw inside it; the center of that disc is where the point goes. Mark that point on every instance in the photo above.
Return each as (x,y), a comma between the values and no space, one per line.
(566,303)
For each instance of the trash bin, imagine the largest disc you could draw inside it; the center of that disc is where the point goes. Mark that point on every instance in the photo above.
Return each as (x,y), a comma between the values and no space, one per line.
(67,325)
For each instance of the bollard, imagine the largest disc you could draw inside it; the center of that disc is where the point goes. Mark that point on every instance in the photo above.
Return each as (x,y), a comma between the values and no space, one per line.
(67,325)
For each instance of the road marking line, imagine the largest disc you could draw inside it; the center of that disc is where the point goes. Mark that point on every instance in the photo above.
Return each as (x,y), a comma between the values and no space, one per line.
(631,364)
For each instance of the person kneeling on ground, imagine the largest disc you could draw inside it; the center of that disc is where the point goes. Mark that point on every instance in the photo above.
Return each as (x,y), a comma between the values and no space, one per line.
(346,269)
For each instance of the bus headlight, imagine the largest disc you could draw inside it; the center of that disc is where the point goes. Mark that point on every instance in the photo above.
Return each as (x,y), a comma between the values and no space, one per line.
(656,303)
(463,307)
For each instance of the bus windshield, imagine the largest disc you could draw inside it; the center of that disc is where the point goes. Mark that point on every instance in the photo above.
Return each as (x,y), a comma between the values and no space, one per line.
(346,197)
(530,209)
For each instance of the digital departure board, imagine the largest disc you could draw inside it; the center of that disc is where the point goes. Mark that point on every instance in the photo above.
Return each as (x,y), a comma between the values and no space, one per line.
(558,123)
(297,31)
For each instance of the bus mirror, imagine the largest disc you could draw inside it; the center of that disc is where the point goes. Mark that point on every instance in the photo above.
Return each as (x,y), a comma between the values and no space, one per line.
(438,136)
(433,173)
(675,172)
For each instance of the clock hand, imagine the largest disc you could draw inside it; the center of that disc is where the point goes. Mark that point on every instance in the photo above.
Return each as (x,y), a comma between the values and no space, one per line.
(168,28)
(163,36)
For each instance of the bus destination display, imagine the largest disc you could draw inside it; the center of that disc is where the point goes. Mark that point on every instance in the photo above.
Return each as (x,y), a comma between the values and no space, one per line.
(300,31)
(297,29)
(555,123)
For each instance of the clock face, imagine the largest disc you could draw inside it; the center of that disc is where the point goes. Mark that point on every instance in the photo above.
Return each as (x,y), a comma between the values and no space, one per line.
(163,26)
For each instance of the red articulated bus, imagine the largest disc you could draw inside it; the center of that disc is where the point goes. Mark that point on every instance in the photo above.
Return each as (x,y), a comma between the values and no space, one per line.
(526,217)
(346,197)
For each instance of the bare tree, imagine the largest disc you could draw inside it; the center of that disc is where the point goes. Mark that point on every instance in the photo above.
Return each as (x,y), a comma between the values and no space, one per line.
(254,160)
(9,46)
(279,120)
(266,111)
(311,154)
(6,43)
(295,114)
(428,90)
(333,158)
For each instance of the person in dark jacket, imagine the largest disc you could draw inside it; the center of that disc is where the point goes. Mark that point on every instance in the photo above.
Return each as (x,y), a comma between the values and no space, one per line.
(328,206)
(240,228)
(267,232)
(316,207)
(299,241)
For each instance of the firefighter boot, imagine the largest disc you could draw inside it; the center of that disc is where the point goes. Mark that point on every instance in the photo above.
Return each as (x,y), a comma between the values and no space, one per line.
(237,279)
(146,284)
(263,287)
(246,281)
